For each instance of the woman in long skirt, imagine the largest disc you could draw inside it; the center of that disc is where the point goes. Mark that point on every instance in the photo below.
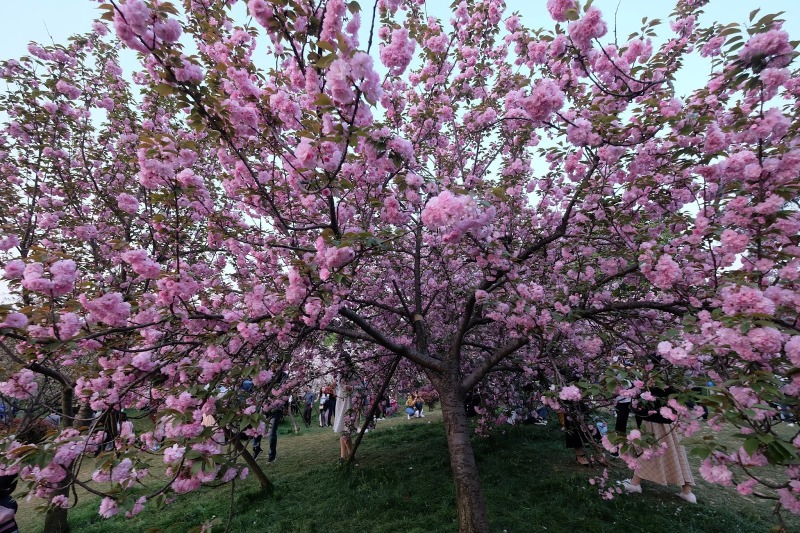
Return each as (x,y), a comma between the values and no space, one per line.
(671,467)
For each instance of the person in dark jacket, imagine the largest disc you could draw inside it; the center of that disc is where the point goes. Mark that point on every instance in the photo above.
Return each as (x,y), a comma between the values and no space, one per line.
(309,407)
(8,506)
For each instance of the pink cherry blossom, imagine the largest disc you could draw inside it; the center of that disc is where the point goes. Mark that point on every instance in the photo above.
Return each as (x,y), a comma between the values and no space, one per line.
(746,300)
(33,280)
(64,274)
(141,263)
(9,242)
(21,385)
(590,26)
(716,473)
(792,349)
(665,273)
(60,501)
(108,507)
(68,90)
(110,309)
(558,8)
(398,53)
(771,47)
(14,320)
(570,393)
(14,269)
(127,203)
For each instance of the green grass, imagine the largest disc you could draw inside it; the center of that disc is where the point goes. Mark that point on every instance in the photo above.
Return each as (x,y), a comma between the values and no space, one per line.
(402,483)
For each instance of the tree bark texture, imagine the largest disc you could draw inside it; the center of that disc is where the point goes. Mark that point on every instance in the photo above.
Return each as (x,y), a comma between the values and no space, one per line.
(472,517)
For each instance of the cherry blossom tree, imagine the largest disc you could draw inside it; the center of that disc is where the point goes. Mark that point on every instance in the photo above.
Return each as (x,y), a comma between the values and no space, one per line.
(96,210)
(480,201)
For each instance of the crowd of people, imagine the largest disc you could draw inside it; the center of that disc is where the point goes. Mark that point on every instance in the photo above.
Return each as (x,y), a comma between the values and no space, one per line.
(342,406)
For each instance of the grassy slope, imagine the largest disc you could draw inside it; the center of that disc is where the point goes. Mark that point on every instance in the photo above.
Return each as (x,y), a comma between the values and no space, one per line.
(402,484)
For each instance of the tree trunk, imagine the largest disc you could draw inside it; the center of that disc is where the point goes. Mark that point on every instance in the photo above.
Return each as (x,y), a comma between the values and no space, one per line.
(471,506)
(67,410)
(264,483)
(85,416)
(55,520)
(291,417)
(373,408)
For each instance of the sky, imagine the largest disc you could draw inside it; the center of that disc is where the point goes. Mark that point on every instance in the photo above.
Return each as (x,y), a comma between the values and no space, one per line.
(47,21)
(53,21)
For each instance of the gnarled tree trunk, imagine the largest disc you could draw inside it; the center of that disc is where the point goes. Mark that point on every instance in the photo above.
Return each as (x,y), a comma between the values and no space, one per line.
(472,517)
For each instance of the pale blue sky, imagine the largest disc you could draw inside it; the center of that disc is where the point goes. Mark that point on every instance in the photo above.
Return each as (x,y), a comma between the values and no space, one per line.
(24,21)
(47,21)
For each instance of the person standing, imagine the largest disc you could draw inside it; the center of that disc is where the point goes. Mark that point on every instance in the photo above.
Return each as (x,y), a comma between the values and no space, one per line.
(309,407)
(419,405)
(323,407)
(350,401)
(331,407)
(272,434)
(274,414)
(622,410)
(342,423)
(669,467)
(576,430)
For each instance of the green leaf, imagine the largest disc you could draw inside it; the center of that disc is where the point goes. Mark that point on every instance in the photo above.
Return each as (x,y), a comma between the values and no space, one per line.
(159,501)
(702,453)
(325,45)
(326,60)
(751,445)
(193,454)
(164,89)
(323,99)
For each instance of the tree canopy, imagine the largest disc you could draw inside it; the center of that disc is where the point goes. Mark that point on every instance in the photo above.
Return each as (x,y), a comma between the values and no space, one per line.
(503,209)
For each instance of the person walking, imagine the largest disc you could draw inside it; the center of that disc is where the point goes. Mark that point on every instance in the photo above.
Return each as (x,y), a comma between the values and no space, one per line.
(671,466)
(323,407)
(309,407)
